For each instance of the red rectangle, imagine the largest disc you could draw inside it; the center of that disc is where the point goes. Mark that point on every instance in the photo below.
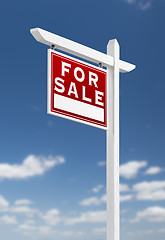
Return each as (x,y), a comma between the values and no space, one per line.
(77,90)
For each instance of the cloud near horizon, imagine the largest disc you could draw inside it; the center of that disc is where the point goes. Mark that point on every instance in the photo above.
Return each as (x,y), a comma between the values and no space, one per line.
(153,191)
(154,170)
(150,214)
(30,167)
(131,169)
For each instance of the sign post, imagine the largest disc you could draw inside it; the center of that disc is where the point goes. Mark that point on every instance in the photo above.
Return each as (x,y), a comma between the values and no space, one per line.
(112,163)
(99,109)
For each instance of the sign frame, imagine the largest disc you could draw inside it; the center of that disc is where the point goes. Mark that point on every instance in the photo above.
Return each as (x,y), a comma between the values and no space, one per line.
(49,90)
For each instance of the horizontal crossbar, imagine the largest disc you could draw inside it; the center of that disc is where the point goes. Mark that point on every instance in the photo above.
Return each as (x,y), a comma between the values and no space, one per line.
(78,50)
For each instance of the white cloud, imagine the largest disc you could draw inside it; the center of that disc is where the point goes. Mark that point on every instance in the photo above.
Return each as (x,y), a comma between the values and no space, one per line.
(153,191)
(95,201)
(124,188)
(23,202)
(151,214)
(52,217)
(8,219)
(30,221)
(131,169)
(140,232)
(3,203)
(31,166)
(24,210)
(124,198)
(45,230)
(90,201)
(103,199)
(18,208)
(149,186)
(153,170)
(99,230)
(26,227)
(101,163)
(97,188)
(71,233)
(87,217)
(29,228)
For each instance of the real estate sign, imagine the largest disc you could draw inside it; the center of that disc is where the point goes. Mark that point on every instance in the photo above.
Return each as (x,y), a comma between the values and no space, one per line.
(76,90)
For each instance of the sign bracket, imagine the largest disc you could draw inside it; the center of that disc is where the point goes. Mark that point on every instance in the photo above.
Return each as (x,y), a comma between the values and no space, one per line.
(78,50)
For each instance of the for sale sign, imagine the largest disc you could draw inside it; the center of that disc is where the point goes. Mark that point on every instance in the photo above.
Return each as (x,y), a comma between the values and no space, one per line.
(76,90)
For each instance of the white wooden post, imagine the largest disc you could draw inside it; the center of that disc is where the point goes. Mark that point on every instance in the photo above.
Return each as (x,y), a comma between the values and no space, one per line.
(114,66)
(112,165)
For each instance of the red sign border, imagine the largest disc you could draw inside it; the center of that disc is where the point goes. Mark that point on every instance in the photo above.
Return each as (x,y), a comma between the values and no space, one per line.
(67,115)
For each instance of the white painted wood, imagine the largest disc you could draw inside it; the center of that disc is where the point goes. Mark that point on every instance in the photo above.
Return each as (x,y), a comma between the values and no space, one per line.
(112,165)
(77,107)
(77,49)
(114,65)
(49,94)
(125,66)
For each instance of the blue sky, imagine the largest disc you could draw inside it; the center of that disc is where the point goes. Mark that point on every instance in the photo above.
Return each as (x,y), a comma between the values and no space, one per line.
(52,170)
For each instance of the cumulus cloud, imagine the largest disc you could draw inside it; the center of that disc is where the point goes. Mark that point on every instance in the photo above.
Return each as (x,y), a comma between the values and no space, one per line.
(131,169)
(8,219)
(140,232)
(124,188)
(30,167)
(4,204)
(95,201)
(23,202)
(52,217)
(151,214)
(18,208)
(30,228)
(30,221)
(99,230)
(90,201)
(26,210)
(71,233)
(97,188)
(124,198)
(153,170)
(103,198)
(45,230)
(87,217)
(153,191)
(27,227)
